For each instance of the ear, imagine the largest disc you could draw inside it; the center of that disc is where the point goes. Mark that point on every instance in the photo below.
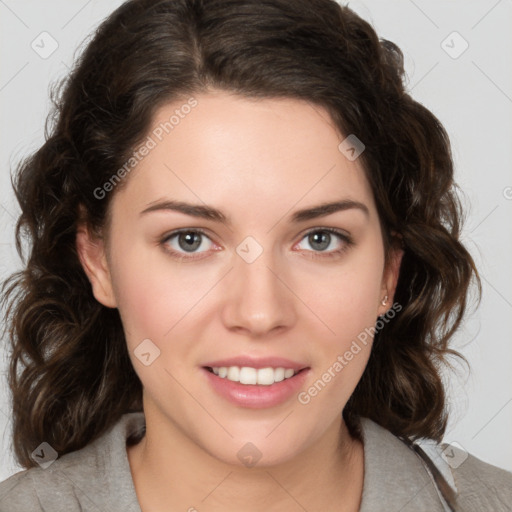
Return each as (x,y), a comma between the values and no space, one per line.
(390,278)
(92,254)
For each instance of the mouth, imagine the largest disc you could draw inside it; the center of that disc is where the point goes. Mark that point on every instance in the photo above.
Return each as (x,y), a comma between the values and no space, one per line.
(255,388)
(247,375)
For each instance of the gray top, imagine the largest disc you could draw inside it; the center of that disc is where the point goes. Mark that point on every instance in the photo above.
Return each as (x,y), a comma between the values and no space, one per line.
(97,478)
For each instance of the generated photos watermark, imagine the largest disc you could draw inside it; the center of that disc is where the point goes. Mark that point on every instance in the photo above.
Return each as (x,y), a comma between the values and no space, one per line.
(145,148)
(304,397)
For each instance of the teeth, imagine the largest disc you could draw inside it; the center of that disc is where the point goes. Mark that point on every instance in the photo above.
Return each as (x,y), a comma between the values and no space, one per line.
(279,374)
(247,375)
(288,374)
(234,373)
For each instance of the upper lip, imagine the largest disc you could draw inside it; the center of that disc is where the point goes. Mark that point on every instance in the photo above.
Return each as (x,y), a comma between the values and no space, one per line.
(257,362)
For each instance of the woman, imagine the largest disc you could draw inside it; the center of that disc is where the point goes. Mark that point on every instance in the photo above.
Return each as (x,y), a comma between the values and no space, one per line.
(245,272)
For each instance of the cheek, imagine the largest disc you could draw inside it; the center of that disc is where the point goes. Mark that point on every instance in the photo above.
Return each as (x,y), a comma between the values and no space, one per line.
(141,292)
(154,294)
(347,299)
(340,358)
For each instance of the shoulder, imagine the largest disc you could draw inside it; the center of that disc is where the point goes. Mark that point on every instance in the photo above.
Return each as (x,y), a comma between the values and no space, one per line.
(21,491)
(18,493)
(429,478)
(394,476)
(96,477)
(482,486)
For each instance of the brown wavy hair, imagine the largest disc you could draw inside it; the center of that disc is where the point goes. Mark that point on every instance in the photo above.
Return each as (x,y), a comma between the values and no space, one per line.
(70,374)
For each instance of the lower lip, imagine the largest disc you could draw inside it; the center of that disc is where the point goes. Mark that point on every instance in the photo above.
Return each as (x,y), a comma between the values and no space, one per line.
(254,396)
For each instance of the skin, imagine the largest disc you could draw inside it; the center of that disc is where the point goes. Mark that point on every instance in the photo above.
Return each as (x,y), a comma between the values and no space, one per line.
(259,162)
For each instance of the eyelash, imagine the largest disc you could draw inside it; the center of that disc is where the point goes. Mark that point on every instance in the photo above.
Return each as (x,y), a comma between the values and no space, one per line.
(348,242)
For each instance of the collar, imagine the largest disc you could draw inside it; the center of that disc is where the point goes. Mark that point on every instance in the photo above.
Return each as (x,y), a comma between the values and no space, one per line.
(395,477)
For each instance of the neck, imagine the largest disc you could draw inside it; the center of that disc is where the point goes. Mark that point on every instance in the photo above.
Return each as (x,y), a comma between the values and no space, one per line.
(170,471)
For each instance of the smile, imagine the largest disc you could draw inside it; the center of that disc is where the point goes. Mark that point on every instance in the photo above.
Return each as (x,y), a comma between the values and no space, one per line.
(247,375)
(253,388)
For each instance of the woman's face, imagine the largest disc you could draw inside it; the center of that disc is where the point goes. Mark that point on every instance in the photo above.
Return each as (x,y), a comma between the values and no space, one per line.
(259,283)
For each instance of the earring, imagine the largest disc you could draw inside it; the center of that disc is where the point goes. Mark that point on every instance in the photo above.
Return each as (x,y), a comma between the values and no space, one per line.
(384,300)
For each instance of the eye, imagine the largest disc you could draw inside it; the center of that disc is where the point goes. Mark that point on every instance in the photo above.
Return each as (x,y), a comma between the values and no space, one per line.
(183,244)
(179,243)
(322,238)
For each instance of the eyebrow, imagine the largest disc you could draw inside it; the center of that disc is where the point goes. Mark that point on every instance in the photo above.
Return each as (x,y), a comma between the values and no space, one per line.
(211,213)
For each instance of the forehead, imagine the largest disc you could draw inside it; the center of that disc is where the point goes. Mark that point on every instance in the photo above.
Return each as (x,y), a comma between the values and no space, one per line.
(245,154)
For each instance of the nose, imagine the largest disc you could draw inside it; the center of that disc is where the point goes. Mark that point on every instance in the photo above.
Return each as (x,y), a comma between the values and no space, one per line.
(258,299)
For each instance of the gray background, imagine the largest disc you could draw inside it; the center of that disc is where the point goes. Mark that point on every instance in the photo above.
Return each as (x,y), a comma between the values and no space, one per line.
(470,92)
